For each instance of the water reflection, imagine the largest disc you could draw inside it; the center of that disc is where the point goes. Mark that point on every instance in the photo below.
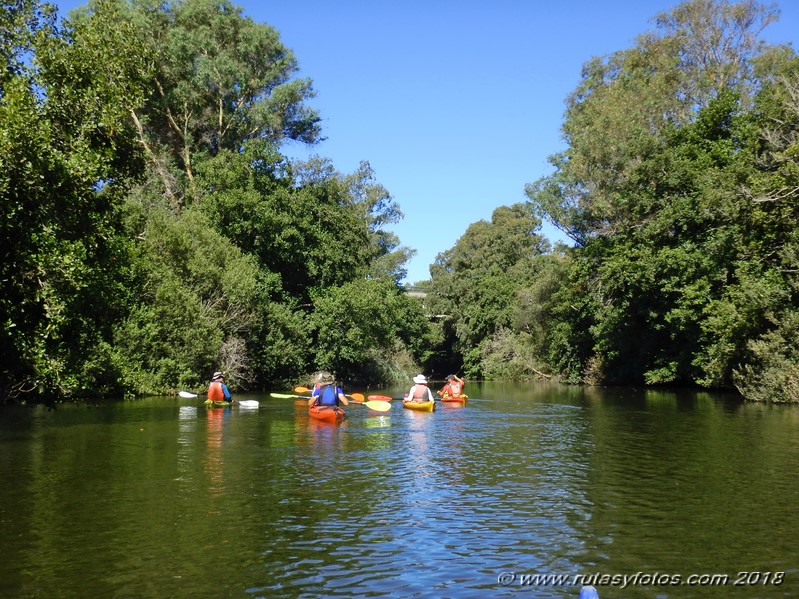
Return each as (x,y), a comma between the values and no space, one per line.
(214,459)
(530,479)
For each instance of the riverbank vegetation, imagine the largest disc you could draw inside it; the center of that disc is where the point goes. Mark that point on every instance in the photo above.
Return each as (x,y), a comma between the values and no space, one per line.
(153,231)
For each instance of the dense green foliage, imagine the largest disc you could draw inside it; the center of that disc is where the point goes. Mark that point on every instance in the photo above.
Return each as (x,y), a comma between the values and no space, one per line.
(153,231)
(679,190)
(683,210)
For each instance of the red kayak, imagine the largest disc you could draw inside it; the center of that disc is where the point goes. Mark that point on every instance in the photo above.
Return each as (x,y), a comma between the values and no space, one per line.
(326,413)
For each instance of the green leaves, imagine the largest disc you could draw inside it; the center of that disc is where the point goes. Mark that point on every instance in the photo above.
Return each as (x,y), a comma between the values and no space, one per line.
(682,205)
(360,328)
(219,80)
(475,283)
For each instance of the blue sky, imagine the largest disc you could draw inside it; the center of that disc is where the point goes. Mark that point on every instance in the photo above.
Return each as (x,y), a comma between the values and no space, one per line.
(456,104)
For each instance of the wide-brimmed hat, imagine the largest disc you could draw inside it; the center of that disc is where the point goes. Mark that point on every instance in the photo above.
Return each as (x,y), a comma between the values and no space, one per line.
(218,375)
(419,379)
(325,378)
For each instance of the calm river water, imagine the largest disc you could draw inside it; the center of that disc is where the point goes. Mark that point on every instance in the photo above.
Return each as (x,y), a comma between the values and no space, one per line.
(642,493)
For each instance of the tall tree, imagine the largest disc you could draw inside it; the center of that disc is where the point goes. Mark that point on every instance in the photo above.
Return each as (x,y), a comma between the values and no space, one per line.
(220,78)
(627,102)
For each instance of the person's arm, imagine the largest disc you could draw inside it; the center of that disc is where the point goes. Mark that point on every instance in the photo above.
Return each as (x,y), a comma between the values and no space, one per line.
(342,398)
(461,381)
(226,392)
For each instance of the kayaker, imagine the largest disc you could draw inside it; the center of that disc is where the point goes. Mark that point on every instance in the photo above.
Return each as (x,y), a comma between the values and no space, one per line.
(420,392)
(217,389)
(326,392)
(453,386)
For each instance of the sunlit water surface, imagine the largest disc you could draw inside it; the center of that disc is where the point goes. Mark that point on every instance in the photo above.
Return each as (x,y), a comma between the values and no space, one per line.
(163,498)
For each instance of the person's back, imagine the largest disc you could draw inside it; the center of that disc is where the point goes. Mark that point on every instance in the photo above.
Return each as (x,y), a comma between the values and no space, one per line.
(328,396)
(217,390)
(453,387)
(420,392)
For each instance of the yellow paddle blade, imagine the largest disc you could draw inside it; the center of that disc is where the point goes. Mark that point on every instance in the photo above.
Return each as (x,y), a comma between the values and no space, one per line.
(379,406)
(357,397)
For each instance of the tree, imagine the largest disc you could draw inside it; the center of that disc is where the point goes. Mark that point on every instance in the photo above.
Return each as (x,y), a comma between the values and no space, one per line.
(627,102)
(66,153)
(200,301)
(219,79)
(363,330)
(476,281)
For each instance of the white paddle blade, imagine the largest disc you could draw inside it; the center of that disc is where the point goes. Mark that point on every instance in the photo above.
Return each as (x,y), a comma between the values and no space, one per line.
(186,394)
(248,403)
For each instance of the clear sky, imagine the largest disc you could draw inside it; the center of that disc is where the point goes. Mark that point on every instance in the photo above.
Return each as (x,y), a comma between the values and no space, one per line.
(456,104)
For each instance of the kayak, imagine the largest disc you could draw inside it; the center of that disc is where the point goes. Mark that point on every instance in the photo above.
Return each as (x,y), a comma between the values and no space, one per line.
(216,404)
(422,406)
(460,399)
(326,413)
(379,398)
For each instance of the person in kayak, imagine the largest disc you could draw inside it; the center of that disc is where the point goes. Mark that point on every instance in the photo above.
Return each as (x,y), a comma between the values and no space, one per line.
(420,392)
(453,387)
(217,389)
(326,392)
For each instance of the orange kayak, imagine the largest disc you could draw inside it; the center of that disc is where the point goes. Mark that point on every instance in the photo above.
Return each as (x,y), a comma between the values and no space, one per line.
(460,399)
(326,413)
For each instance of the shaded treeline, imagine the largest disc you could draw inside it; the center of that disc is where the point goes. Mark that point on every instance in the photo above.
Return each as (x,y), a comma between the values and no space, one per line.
(153,232)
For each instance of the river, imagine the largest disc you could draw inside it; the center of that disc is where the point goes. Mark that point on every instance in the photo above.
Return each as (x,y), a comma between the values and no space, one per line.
(527,491)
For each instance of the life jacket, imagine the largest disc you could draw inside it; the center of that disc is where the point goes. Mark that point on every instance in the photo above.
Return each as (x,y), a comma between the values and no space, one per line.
(420,392)
(455,388)
(327,396)
(215,392)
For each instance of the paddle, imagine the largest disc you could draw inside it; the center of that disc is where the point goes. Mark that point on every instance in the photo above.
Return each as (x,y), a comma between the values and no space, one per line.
(244,403)
(359,397)
(378,406)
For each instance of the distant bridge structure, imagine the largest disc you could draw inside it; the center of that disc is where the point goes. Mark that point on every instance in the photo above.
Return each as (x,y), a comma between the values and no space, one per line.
(414,291)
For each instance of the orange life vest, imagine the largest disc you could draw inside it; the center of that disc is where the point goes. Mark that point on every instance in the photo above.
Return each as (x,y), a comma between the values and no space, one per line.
(215,392)
(455,388)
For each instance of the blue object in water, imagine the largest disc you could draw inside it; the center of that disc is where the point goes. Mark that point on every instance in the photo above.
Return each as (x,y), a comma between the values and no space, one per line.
(588,592)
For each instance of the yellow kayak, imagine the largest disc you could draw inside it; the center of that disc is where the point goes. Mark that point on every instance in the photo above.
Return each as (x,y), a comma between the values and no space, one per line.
(423,406)
(216,404)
